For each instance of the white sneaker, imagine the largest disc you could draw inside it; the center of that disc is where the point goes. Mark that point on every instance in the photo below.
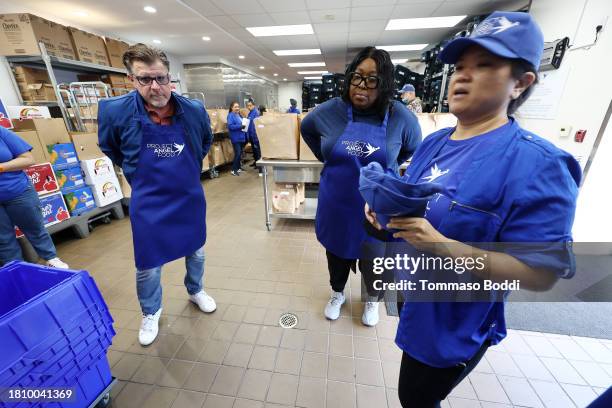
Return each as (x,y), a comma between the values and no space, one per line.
(204,302)
(332,308)
(57,263)
(149,328)
(370,314)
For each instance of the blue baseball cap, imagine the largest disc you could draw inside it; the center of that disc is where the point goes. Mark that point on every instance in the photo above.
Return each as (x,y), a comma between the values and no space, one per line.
(505,34)
(407,88)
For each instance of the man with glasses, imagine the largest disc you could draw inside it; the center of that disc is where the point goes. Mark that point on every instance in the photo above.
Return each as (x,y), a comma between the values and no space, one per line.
(159,139)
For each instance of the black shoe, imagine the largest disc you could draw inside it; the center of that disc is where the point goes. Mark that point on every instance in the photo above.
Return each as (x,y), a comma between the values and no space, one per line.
(253,165)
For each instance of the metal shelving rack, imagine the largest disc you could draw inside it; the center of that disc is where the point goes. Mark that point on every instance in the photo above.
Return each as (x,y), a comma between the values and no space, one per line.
(51,62)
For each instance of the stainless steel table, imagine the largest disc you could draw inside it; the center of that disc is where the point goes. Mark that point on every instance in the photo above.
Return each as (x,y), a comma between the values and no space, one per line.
(290,171)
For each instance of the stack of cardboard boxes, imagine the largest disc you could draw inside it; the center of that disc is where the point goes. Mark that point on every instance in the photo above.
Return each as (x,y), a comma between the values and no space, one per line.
(34,84)
(53,153)
(118,83)
(98,170)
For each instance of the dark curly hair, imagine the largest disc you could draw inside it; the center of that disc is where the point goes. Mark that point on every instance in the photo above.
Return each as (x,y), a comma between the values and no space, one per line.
(384,67)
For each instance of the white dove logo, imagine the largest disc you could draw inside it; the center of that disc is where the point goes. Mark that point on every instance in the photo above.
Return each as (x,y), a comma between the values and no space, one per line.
(178,149)
(495,26)
(435,173)
(371,149)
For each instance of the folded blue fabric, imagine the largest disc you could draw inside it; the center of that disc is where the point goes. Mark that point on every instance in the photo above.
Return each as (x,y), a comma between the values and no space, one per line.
(389,196)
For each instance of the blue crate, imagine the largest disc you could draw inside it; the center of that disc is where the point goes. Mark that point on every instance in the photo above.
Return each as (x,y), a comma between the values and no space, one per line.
(55,329)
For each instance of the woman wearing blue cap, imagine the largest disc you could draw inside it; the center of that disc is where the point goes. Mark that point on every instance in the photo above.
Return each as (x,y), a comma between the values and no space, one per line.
(502,184)
(346,134)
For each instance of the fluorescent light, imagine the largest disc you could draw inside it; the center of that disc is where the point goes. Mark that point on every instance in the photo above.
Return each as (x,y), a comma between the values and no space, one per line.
(404,47)
(261,67)
(275,74)
(313,77)
(150,9)
(157,41)
(311,72)
(310,51)
(284,79)
(399,61)
(426,22)
(241,56)
(206,38)
(81,13)
(270,31)
(306,64)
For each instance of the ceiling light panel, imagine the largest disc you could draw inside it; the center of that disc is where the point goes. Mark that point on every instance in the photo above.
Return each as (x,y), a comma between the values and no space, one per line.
(311,72)
(306,64)
(269,31)
(310,51)
(421,23)
(402,47)
(313,77)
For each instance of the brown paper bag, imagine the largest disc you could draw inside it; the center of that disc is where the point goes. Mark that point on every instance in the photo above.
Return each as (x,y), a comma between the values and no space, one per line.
(305,152)
(278,136)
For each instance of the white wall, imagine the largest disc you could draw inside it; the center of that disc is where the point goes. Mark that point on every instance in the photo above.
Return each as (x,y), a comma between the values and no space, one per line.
(583,103)
(289,90)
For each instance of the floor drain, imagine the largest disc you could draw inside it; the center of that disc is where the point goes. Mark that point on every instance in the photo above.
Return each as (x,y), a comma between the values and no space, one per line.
(288,321)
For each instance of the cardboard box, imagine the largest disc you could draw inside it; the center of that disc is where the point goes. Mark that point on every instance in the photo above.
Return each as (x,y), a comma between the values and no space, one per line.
(244,112)
(205,163)
(50,131)
(43,178)
(115,80)
(228,150)
(38,151)
(62,155)
(28,112)
(96,166)
(216,157)
(21,33)
(89,47)
(278,136)
(115,50)
(27,75)
(70,179)
(54,209)
(80,201)
(107,191)
(284,198)
(38,93)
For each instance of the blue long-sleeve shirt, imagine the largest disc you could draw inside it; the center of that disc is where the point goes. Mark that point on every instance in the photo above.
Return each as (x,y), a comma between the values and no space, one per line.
(251,133)
(234,126)
(322,127)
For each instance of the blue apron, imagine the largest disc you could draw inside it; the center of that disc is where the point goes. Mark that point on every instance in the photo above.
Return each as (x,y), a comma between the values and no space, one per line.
(167,208)
(340,216)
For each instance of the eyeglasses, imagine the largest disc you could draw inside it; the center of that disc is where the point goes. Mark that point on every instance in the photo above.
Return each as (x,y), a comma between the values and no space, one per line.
(147,80)
(371,82)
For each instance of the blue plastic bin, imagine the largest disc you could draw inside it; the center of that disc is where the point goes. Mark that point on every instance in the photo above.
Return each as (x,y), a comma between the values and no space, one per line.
(55,330)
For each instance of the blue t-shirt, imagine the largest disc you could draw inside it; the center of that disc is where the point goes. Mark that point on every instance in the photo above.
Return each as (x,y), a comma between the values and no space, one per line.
(12,183)
(449,166)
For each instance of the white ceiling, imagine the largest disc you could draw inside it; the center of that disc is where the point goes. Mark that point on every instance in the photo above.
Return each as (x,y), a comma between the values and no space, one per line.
(340,26)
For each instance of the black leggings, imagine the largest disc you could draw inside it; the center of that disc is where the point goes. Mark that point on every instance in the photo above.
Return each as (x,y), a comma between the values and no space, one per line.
(424,386)
(339,269)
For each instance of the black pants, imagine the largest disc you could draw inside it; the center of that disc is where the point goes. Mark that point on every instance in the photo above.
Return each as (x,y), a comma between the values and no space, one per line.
(237,156)
(424,386)
(339,269)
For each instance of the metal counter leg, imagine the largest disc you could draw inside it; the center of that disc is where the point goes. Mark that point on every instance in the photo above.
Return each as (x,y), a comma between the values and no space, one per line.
(266,198)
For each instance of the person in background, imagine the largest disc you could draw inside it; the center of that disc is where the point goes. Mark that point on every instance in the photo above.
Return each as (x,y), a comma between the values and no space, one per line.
(410,99)
(237,135)
(346,134)
(20,205)
(502,184)
(262,109)
(159,139)
(252,134)
(293,108)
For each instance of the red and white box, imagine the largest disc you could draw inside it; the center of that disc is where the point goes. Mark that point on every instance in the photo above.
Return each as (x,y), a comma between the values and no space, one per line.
(43,178)
(54,209)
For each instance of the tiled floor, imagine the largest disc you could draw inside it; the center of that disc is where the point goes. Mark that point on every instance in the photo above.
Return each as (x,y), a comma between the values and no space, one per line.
(239,357)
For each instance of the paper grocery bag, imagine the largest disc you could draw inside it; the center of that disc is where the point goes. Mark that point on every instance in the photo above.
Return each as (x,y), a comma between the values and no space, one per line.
(305,152)
(278,136)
